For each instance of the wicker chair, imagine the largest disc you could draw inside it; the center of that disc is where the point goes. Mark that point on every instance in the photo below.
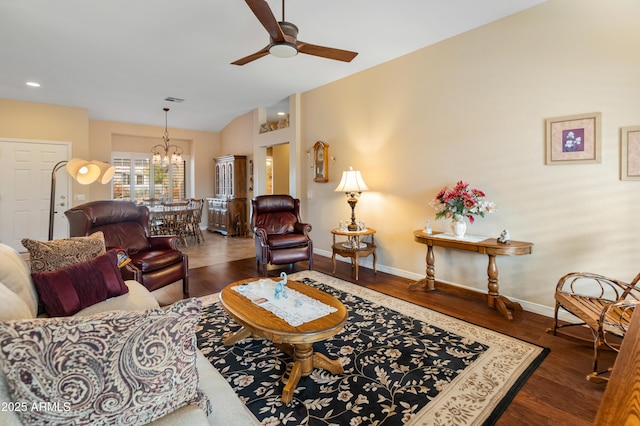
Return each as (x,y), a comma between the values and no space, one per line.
(603,304)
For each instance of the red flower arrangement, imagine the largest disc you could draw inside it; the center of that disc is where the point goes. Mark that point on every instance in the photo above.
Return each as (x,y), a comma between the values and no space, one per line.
(461,201)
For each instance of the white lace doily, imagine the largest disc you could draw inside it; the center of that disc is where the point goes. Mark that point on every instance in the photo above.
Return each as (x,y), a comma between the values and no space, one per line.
(295,309)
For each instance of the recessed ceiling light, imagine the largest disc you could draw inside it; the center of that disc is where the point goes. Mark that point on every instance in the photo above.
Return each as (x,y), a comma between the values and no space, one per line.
(33,84)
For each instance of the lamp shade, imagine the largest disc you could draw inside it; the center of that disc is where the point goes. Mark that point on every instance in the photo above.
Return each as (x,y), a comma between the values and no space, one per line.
(106,171)
(83,171)
(351,182)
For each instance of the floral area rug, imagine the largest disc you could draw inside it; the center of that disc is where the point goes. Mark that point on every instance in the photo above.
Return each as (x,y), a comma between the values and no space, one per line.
(403,364)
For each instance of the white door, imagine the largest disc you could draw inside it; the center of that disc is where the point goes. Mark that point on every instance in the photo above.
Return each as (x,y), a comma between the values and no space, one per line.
(25,190)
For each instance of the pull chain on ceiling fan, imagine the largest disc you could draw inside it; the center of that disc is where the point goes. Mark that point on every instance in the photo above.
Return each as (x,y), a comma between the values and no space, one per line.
(284,41)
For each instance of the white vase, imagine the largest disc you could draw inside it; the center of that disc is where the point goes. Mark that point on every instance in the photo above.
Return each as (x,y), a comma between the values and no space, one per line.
(458,227)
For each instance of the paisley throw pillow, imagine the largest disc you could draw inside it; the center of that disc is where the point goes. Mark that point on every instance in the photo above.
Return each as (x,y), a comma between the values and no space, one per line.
(112,368)
(56,254)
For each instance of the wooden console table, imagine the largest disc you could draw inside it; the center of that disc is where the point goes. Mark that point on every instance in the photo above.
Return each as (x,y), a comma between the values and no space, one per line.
(491,247)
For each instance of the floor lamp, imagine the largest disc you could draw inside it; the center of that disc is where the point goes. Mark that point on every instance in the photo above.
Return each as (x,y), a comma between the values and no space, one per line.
(83,171)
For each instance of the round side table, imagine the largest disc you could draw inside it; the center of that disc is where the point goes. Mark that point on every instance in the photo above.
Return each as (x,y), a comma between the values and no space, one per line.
(353,247)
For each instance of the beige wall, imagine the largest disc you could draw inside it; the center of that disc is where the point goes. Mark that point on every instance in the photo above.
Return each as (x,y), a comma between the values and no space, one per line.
(281,169)
(473,108)
(288,135)
(237,137)
(36,121)
(241,136)
(94,140)
(202,147)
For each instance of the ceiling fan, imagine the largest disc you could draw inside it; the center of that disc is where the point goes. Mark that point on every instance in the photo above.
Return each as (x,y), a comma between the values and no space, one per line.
(283,38)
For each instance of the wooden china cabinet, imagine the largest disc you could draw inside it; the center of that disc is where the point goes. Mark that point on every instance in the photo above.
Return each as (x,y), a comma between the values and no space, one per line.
(227,211)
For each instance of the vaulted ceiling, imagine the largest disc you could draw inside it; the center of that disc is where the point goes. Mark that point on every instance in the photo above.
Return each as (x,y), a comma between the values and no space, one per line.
(121,59)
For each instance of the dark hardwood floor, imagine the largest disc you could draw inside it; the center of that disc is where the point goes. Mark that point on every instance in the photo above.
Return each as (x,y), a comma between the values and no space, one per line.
(556,394)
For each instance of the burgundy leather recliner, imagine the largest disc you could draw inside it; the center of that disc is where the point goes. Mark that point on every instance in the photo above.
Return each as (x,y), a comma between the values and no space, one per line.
(155,260)
(280,236)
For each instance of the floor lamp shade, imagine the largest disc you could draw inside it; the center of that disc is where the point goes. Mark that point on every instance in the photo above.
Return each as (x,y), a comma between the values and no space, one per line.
(106,171)
(83,171)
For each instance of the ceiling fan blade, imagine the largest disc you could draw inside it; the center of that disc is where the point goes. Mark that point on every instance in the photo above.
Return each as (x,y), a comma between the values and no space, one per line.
(261,9)
(326,52)
(259,54)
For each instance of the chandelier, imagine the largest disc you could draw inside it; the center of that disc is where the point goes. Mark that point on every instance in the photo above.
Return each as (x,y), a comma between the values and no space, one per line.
(161,152)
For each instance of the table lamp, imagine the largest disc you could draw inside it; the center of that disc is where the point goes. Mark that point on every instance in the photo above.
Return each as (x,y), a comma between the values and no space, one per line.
(352,185)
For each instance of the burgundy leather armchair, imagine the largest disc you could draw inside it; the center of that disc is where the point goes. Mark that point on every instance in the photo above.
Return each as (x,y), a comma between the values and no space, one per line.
(280,236)
(155,260)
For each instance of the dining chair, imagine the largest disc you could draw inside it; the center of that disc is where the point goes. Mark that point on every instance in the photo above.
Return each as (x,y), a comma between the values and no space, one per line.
(195,218)
(150,202)
(175,219)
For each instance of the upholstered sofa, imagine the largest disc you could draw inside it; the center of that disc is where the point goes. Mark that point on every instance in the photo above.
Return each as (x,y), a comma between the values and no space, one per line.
(19,305)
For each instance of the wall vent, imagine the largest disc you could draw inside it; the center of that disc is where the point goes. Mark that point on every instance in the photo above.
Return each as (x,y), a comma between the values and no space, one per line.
(172,99)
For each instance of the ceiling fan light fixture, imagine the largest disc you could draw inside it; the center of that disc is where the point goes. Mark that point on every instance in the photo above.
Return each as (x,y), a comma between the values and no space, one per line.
(283,50)
(283,38)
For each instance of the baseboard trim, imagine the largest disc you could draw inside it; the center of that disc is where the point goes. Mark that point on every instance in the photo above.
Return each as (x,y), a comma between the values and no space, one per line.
(536,308)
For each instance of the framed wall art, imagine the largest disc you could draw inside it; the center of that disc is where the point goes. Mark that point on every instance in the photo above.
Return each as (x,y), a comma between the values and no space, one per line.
(573,139)
(320,162)
(630,153)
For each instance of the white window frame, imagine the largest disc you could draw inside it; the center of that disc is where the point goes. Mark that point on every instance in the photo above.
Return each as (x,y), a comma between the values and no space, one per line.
(132,156)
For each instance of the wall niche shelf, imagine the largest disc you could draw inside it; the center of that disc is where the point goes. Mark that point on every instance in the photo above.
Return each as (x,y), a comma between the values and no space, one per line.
(271,126)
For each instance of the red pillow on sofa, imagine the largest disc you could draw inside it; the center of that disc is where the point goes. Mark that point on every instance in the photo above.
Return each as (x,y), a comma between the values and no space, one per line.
(75,287)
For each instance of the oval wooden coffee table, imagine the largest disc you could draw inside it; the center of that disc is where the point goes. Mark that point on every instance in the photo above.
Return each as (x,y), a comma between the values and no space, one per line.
(295,341)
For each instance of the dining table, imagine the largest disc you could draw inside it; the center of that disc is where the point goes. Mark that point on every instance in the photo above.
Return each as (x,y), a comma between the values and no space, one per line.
(171,219)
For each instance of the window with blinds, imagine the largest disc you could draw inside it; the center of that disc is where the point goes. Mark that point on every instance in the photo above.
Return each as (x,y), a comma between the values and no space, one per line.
(137,179)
